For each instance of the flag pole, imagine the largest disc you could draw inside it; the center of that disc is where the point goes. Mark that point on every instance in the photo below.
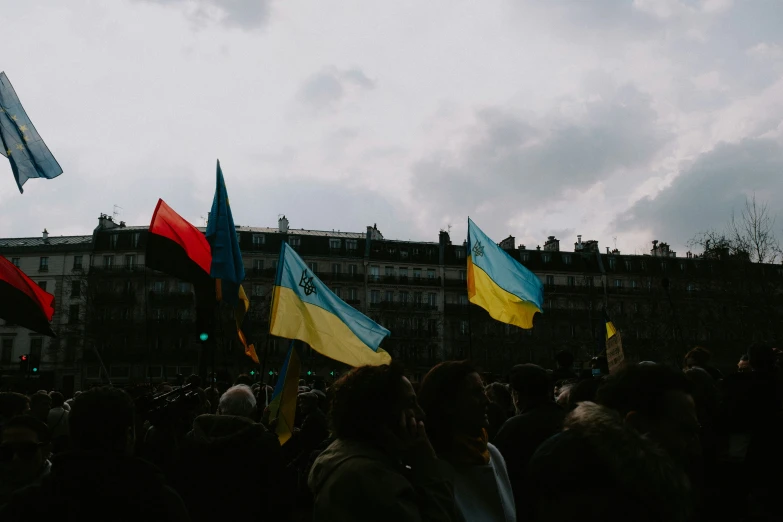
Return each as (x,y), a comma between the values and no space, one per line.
(470,334)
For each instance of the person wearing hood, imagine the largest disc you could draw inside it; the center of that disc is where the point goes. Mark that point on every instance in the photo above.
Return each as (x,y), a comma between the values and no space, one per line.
(243,459)
(381,466)
(453,398)
(25,447)
(99,479)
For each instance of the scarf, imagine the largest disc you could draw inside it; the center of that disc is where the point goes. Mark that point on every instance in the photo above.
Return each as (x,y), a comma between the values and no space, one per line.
(470,450)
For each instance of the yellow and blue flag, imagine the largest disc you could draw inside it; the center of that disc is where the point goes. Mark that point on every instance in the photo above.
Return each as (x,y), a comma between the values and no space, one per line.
(226,267)
(499,284)
(610,328)
(20,142)
(283,404)
(304,308)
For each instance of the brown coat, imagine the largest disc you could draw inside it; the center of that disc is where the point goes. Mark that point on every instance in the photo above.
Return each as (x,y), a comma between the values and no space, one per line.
(353,481)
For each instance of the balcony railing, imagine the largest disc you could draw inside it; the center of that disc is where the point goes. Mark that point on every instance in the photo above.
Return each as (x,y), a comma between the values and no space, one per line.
(456,282)
(456,308)
(338,276)
(407,280)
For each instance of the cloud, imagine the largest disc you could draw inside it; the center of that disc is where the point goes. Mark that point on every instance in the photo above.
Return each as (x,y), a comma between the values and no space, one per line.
(703,195)
(242,14)
(330,87)
(509,162)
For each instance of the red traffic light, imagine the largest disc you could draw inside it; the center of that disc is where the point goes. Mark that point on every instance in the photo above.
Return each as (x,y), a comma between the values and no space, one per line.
(23,358)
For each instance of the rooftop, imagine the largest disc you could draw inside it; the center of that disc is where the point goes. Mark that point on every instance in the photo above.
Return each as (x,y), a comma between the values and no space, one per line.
(11,242)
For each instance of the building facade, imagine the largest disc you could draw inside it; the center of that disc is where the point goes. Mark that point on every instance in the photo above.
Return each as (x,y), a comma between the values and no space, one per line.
(117,320)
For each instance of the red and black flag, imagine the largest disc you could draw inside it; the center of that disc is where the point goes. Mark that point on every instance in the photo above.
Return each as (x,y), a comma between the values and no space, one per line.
(23,302)
(179,249)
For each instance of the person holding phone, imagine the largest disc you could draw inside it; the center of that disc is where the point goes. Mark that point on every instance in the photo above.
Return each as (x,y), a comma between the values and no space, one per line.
(381,466)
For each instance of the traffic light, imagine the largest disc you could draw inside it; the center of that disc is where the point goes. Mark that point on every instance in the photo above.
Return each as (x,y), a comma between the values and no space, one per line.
(271,373)
(205,323)
(252,373)
(309,373)
(24,363)
(331,373)
(203,336)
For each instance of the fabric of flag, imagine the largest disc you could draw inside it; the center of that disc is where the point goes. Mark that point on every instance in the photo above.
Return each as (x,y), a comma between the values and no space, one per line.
(23,302)
(499,284)
(177,248)
(20,142)
(227,268)
(304,308)
(283,404)
(240,310)
(610,328)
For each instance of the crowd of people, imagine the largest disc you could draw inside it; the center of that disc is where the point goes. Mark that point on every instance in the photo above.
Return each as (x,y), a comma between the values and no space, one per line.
(649,442)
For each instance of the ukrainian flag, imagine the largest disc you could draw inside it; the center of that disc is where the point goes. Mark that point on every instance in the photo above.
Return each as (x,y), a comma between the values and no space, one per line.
(610,328)
(283,404)
(500,285)
(304,308)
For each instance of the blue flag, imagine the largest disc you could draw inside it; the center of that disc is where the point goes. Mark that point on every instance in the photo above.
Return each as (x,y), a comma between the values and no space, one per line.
(227,267)
(20,142)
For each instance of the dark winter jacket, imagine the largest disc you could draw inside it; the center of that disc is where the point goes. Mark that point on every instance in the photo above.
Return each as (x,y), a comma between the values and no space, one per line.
(97,486)
(353,481)
(233,466)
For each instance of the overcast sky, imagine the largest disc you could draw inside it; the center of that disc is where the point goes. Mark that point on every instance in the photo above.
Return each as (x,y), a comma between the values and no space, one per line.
(635,120)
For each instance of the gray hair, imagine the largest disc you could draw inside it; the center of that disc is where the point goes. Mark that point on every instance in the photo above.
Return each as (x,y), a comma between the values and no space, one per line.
(238,400)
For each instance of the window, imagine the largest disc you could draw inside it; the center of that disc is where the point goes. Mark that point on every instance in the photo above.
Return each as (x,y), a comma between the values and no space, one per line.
(335,244)
(643,265)
(352,245)
(130,261)
(7,350)
(628,265)
(158,287)
(546,258)
(258,291)
(618,283)
(682,267)
(690,288)
(352,294)
(430,274)
(388,271)
(36,344)
(258,240)
(663,266)
(432,299)
(375,296)
(634,285)
(375,273)
(417,273)
(403,272)
(182,288)
(567,259)
(464,329)
(463,275)
(525,257)
(313,267)
(336,268)
(404,253)
(125,314)
(462,299)
(113,240)
(239,238)
(611,263)
(460,252)
(15,261)
(43,264)
(405,297)
(352,270)
(295,241)
(337,292)
(550,280)
(415,251)
(389,296)
(77,262)
(129,288)
(73,314)
(136,237)
(76,289)
(258,265)
(42,284)
(418,298)
(108,262)
(571,281)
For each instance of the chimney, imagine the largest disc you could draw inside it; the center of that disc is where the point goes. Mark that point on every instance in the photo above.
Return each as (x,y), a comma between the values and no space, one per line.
(552,244)
(106,222)
(282,225)
(46,236)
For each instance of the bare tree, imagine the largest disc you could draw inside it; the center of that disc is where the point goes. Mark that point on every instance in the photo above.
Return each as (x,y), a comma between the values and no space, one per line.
(753,232)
